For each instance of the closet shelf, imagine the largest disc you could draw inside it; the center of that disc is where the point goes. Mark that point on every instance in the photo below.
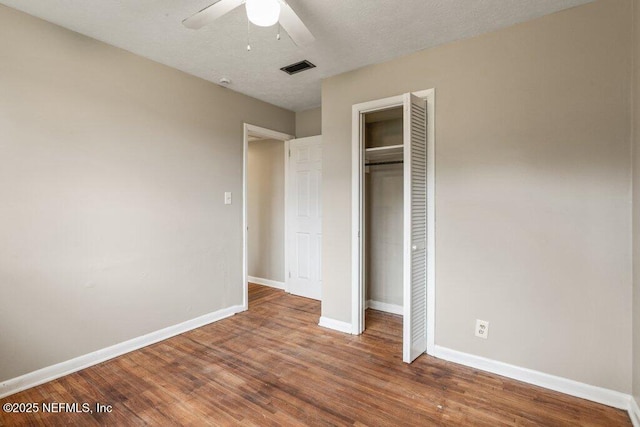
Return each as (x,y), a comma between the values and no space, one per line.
(384,154)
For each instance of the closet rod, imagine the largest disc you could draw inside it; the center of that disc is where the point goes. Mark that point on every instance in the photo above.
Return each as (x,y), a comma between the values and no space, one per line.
(395,162)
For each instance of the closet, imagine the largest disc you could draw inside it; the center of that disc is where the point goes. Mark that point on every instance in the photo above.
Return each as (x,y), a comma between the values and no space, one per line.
(383,207)
(392,210)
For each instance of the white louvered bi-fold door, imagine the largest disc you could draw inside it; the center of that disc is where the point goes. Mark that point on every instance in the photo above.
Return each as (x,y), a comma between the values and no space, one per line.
(415,228)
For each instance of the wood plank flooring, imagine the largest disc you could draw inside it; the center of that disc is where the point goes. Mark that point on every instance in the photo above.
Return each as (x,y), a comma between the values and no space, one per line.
(273,366)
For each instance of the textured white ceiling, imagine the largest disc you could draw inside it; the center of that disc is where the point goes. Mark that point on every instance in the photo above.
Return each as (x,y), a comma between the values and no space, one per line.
(349,34)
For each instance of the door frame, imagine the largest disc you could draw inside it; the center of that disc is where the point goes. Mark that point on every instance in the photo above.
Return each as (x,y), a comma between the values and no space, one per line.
(270,134)
(357,211)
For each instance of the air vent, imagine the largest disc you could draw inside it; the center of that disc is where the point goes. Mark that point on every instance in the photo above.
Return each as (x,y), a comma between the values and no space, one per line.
(298,67)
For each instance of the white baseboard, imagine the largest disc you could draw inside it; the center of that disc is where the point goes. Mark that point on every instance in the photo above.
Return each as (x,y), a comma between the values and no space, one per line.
(336,325)
(386,307)
(58,370)
(634,412)
(563,385)
(266,282)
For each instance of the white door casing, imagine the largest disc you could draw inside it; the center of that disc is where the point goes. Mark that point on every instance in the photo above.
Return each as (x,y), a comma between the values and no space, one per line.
(304,217)
(414,340)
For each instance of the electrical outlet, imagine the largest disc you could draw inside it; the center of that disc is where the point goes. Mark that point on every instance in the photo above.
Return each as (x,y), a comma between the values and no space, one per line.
(482,329)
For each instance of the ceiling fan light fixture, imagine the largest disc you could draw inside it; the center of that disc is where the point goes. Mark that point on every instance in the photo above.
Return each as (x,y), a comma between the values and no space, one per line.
(263,13)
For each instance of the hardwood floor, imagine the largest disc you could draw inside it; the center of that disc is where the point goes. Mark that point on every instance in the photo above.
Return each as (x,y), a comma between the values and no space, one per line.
(273,365)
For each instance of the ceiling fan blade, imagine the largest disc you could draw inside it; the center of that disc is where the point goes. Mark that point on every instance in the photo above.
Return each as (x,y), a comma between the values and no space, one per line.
(211,13)
(294,26)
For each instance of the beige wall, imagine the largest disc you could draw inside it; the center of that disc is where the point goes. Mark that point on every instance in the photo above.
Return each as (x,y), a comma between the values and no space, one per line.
(309,123)
(636,205)
(265,209)
(532,190)
(113,170)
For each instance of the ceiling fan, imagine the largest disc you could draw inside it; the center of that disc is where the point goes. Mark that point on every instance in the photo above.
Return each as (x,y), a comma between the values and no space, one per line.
(263,13)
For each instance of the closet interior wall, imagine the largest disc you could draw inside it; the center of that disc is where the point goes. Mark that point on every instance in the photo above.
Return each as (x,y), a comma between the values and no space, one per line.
(384,216)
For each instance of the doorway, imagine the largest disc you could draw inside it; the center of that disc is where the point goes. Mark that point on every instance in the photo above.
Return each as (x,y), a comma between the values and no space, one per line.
(257,222)
(416,152)
(293,201)
(383,184)
(265,212)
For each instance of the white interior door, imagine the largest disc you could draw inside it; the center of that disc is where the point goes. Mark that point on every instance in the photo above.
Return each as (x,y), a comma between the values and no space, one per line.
(414,338)
(304,217)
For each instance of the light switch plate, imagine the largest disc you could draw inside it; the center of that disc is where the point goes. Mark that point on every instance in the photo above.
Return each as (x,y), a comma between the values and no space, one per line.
(227,197)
